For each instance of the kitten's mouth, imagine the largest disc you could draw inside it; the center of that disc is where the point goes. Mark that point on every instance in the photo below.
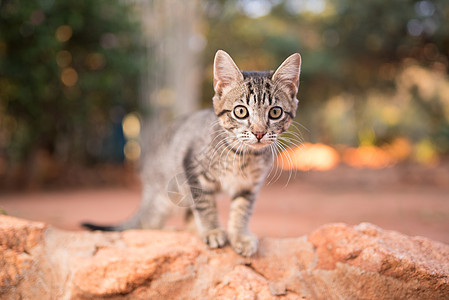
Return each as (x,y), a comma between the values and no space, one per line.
(260,144)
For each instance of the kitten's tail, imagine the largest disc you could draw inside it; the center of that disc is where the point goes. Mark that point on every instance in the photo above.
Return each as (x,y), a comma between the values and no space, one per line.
(93,227)
(129,224)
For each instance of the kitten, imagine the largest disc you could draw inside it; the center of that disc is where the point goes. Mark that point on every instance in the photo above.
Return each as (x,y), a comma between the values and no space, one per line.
(228,149)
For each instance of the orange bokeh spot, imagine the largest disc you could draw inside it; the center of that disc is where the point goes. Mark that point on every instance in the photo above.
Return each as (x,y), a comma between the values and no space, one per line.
(64,33)
(309,157)
(400,149)
(69,77)
(367,157)
(323,157)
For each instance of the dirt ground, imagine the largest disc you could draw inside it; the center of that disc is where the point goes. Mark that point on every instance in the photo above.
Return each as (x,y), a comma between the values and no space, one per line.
(412,200)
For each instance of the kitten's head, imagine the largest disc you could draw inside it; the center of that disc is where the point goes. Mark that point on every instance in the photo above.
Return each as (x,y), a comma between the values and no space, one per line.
(255,107)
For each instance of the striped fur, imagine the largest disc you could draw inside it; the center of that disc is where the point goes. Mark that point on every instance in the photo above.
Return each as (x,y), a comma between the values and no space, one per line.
(215,151)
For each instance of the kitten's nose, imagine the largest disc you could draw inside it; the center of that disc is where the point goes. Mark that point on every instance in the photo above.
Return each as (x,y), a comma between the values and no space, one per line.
(259,135)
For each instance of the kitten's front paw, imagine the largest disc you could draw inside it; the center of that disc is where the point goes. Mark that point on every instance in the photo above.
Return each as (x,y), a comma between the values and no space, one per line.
(215,238)
(244,244)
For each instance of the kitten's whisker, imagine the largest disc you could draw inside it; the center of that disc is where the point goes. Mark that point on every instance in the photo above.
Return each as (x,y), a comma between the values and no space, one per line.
(291,142)
(240,164)
(290,134)
(282,155)
(217,136)
(226,146)
(241,153)
(275,163)
(278,171)
(211,160)
(272,162)
(223,141)
(284,152)
(276,176)
(295,122)
(236,153)
(211,148)
(224,164)
(223,144)
(231,148)
(293,138)
(295,134)
(211,144)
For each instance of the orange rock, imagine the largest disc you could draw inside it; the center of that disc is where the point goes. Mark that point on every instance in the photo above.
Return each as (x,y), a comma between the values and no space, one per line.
(334,262)
(17,238)
(19,235)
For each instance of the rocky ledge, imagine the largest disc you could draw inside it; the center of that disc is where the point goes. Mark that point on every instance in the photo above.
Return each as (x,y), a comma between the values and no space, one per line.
(334,262)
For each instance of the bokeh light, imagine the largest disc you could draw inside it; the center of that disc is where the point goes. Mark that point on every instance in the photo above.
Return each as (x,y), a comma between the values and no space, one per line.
(132,150)
(309,157)
(63,33)
(69,77)
(131,126)
(131,129)
(95,61)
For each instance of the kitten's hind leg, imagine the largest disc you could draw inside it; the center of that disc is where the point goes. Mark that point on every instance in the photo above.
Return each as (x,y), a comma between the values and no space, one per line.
(190,221)
(154,209)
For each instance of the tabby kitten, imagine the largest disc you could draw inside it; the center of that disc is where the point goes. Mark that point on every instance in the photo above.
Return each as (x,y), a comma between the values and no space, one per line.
(228,149)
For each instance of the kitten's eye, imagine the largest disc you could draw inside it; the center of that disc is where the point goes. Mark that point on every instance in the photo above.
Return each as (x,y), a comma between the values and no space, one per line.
(240,112)
(275,113)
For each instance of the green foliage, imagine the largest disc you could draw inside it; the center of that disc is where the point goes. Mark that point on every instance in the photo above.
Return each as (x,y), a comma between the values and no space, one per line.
(68,71)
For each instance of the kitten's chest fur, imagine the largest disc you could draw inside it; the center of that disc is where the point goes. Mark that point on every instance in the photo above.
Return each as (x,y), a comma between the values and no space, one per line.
(221,164)
(234,169)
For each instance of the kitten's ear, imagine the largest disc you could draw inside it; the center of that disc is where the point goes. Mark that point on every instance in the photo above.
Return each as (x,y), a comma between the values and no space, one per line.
(225,71)
(288,73)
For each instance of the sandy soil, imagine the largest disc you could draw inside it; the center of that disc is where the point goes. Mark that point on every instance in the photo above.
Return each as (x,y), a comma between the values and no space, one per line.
(412,201)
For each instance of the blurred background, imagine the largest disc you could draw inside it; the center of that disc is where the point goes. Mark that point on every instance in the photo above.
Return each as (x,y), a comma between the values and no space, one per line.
(81,82)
